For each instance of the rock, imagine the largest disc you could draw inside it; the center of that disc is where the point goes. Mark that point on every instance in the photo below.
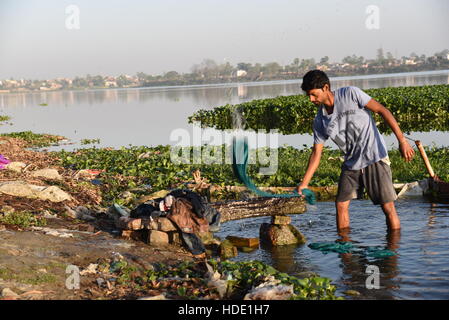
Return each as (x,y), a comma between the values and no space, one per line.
(281,220)
(227,250)
(54,194)
(174,238)
(8,293)
(51,174)
(157,237)
(16,166)
(21,189)
(17,189)
(132,234)
(165,224)
(206,237)
(129,223)
(246,249)
(352,293)
(150,224)
(243,242)
(79,212)
(279,235)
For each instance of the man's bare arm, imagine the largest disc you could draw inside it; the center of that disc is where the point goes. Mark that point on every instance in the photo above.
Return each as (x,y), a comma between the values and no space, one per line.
(314,161)
(407,151)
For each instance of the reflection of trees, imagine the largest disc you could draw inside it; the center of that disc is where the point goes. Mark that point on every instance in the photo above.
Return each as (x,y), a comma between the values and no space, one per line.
(207,97)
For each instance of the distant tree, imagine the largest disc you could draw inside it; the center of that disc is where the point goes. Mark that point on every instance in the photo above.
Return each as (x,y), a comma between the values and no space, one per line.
(171,75)
(380,54)
(225,69)
(244,66)
(272,68)
(324,60)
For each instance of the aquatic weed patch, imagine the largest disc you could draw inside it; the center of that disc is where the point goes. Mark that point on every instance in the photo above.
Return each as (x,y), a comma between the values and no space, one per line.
(420,108)
(187,280)
(150,169)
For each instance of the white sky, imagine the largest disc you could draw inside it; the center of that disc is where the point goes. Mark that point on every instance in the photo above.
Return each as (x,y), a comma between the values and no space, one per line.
(125,37)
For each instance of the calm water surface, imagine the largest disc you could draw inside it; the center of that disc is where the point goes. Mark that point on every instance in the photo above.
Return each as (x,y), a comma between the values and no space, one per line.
(420,270)
(148,116)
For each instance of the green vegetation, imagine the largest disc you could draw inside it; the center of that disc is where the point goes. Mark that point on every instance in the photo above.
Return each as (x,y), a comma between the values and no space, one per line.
(23,219)
(36,140)
(187,279)
(89,141)
(423,108)
(127,169)
(28,276)
(4,118)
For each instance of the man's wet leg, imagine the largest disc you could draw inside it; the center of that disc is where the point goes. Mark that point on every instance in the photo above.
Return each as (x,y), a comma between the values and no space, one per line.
(392,218)
(342,214)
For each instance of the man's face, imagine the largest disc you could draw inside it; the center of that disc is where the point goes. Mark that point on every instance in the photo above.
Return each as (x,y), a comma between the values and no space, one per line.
(318,96)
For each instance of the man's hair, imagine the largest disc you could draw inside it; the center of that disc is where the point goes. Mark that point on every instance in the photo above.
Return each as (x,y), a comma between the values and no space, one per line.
(314,79)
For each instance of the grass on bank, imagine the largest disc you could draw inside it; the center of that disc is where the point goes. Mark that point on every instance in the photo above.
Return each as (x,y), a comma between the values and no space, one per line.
(35,140)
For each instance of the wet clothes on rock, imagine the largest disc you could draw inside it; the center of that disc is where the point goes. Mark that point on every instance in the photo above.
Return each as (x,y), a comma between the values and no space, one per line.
(190,212)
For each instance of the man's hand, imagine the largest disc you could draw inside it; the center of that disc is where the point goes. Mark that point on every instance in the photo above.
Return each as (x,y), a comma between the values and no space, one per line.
(300,187)
(407,151)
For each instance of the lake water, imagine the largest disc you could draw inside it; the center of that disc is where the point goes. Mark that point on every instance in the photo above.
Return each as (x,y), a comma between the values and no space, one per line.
(148,116)
(420,269)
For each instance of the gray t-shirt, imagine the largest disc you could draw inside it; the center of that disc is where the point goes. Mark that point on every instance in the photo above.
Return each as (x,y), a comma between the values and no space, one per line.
(351,126)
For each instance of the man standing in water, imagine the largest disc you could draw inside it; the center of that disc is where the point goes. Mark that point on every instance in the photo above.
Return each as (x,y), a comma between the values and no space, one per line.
(344,115)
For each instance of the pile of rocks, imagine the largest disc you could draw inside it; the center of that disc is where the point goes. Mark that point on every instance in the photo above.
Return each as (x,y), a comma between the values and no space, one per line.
(154,231)
(280,232)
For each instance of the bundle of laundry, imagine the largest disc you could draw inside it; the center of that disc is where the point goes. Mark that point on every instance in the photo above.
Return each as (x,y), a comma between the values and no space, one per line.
(190,212)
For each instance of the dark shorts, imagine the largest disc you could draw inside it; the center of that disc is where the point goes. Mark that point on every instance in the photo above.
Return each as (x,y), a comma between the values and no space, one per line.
(376,179)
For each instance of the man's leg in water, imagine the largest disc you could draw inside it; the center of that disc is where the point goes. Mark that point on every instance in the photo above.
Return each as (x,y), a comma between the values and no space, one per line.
(391,216)
(342,214)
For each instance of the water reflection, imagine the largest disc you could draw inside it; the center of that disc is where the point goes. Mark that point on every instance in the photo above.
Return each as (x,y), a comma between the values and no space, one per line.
(147,116)
(354,267)
(211,96)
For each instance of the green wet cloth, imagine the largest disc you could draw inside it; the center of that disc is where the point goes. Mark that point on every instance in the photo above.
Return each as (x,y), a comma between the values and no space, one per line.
(240,165)
(326,247)
(348,247)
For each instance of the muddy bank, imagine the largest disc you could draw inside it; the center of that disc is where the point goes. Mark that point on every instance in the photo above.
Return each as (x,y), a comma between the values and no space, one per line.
(33,264)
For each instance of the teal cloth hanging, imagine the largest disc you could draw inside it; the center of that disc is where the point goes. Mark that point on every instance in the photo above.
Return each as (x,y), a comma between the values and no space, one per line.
(240,164)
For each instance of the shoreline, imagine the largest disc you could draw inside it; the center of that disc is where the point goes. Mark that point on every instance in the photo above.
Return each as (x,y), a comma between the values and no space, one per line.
(236,84)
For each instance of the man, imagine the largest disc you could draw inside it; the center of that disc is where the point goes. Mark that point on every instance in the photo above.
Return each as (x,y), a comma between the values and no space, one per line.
(344,115)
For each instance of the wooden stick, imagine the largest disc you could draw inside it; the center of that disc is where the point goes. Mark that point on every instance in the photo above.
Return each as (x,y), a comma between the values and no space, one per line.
(424,157)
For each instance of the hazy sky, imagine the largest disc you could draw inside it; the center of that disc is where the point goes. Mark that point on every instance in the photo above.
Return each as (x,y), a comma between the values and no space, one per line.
(125,37)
